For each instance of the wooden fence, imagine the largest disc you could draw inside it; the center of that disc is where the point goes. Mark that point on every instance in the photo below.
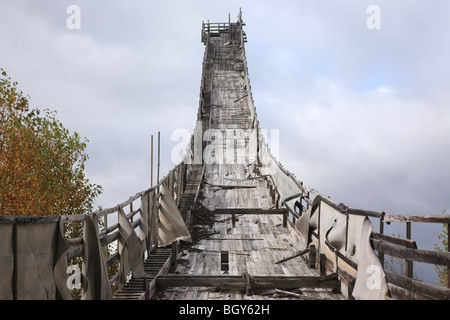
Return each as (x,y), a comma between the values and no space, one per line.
(402,286)
(109,235)
(175,181)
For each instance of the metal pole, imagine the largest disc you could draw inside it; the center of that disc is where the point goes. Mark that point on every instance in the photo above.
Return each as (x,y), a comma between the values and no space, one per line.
(159,154)
(151,168)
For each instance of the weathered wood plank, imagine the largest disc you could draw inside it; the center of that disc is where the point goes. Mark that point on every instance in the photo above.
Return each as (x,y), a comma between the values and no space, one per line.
(394,240)
(433,257)
(243,211)
(293,257)
(257,283)
(415,286)
(417,218)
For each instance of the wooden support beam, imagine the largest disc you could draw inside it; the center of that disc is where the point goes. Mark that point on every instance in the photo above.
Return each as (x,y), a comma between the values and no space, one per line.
(293,197)
(350,287)
(293,257)
(380,254)
(257,283)
(285,219)
(426,256)
(312,257)
(417,218)
(419,287)
(409,263)
(296,295)
(322,265)
(394,240)
(341,256)
(448,250)
(243,211)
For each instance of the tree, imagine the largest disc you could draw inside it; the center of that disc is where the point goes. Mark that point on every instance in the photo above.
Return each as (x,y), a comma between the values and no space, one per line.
(41,164)
(441,271)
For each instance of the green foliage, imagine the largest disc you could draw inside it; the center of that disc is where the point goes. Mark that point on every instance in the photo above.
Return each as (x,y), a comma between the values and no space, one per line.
(441,271)
(41,163)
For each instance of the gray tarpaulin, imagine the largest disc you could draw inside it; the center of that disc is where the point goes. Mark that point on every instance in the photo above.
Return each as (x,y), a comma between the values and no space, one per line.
(370,281)
(351,237)
(33,261)
(268,165)
(95,277)
(153,221)
(131,254)
(302,225)
(144,223)
(6,262)
(171,225)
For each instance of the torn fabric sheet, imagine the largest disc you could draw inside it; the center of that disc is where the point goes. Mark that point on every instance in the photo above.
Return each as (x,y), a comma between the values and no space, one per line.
(350,235)
(371,281)
(95,277)
(6,261)
(153,221)
(33,261)
(144,223)
(131,254)
(171,225)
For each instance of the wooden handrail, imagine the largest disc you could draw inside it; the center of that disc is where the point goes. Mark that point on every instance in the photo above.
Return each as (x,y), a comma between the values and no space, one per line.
(426,256)
(415,286)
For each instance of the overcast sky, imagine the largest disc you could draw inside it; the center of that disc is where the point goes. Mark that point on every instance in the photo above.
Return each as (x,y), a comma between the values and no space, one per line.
(363,113)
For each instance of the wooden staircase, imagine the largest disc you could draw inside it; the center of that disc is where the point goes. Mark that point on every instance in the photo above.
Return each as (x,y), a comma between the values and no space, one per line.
(158,262)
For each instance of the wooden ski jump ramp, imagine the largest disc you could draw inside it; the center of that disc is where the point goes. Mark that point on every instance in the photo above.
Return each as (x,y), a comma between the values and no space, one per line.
(228,222)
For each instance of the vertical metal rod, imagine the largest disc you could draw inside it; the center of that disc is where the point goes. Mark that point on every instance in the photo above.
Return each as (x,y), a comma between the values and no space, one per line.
(151,168)
(159,155)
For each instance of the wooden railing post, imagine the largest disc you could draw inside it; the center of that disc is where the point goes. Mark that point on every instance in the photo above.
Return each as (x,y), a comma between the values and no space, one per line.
(285,218)
(312,257)
(448,249)
(322,265)
(409,263)
(381,254)
(131,211)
